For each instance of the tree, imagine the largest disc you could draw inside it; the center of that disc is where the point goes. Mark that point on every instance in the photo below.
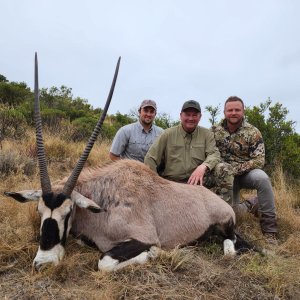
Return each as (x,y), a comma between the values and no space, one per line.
(12,123)
(82,128)
(58,98)
(278,134)
(164,121)
(3,78)
(214,112)
(120,120)
(14,93)
(291,159)
(52,118)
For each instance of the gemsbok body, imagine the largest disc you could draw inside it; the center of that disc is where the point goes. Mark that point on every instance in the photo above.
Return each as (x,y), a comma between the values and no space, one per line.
(123,208)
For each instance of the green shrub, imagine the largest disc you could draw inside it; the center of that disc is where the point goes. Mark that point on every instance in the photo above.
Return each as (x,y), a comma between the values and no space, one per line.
(83,127)
(108,131)
(52,118)
(12,123)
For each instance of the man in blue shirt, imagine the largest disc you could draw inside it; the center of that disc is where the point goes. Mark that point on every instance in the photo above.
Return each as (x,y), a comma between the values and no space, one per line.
(134,140)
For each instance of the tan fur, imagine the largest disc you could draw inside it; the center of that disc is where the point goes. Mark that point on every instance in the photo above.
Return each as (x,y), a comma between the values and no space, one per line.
(143,206)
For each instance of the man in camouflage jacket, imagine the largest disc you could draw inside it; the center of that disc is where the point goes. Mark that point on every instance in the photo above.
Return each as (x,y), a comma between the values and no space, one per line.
(241,146)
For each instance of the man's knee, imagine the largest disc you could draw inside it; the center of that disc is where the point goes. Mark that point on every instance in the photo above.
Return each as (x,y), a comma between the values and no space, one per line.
(223,181)
(258,175)
(223,169)
(223,174)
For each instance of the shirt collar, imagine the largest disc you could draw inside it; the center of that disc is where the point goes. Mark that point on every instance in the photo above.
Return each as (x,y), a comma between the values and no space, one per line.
(142,128)
(184,133)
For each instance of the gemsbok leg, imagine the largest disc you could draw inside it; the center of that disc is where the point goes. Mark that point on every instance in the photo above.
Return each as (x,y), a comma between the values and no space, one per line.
(126,253)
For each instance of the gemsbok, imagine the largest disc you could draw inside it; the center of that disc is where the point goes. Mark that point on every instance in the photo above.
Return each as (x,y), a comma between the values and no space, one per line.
(123,208)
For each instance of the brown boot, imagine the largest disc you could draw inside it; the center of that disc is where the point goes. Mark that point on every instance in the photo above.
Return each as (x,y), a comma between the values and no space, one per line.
(270,238)
(268,224)
(252,205)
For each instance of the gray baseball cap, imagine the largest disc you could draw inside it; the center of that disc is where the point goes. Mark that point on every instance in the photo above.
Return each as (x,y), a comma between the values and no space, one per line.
(148,102)
(191,104)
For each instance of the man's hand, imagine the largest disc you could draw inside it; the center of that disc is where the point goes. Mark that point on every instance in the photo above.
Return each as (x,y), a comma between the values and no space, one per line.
(197,175)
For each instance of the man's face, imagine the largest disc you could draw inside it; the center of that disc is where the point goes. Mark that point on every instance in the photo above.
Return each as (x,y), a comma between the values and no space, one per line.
(234,112)
(190,119)
(147,115)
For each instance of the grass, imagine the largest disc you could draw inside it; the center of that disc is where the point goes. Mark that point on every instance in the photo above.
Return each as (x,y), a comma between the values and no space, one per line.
(185,273)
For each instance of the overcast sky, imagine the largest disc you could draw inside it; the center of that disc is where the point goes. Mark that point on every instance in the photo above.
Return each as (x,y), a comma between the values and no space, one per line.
(172,50)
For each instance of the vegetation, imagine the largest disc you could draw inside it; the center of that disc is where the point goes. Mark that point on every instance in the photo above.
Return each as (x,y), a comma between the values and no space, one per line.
(12,123)
(61,111)
(281,140)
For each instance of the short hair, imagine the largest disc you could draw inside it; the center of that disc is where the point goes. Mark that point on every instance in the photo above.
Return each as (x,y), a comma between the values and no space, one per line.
(233,99)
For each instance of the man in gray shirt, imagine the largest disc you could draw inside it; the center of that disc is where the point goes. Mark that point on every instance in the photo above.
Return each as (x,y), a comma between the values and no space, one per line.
(133,141)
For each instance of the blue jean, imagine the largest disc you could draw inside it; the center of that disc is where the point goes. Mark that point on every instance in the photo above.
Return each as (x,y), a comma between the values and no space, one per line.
(258,180)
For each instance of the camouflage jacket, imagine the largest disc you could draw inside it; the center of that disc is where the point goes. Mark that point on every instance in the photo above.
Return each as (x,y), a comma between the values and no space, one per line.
(244,149)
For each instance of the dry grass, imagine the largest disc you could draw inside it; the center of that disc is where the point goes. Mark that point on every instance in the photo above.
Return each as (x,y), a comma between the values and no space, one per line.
(186,273)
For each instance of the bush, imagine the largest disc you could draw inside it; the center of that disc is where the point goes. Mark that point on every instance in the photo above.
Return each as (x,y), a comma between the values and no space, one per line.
(11,162)
(14,93)
(57,150)
(12,123)
(164,121)
(108,131)
(82,128)
(53,118)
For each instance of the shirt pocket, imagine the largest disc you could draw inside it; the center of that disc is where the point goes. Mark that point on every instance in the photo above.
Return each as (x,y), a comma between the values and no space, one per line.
(135,148)
(175,153)
(198,155)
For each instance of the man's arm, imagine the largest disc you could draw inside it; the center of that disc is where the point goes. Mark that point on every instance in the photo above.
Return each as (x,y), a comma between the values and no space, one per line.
(256,155)
(212,158)
(119,144)
(155,155)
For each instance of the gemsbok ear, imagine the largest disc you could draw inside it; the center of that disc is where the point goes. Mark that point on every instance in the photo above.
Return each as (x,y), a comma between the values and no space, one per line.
(85,202)
(25,196)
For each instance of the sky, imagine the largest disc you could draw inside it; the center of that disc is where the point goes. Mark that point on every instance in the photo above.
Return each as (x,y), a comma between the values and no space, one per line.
(172,51)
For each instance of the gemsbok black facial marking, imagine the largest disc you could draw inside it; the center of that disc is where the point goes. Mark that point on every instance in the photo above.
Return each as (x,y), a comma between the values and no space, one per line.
(49,234)
(53,201)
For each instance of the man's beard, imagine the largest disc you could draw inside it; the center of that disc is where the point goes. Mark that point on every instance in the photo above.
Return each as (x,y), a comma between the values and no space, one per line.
(146,121)
(237,122)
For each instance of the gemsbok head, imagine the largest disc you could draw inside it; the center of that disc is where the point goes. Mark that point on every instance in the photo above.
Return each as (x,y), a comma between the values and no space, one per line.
(55,206)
